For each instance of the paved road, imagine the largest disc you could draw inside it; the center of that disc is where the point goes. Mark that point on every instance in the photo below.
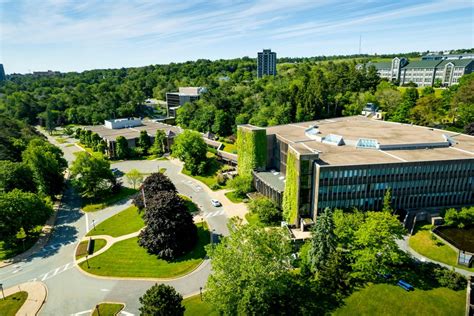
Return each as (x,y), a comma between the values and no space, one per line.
(70,291)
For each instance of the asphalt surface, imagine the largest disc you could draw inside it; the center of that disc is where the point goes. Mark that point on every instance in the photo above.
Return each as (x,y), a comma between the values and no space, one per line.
(70,292)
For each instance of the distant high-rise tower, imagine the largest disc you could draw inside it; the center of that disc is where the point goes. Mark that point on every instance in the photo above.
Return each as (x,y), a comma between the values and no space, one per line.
(266,63)
(2,73)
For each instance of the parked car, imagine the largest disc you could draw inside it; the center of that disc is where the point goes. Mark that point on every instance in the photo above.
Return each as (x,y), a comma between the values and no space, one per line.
(215,203)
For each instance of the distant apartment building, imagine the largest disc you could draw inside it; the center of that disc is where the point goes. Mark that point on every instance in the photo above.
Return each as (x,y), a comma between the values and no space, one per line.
(174,100)
(438,56)
(266,63)
(2,73)
(48,73)
(425,72)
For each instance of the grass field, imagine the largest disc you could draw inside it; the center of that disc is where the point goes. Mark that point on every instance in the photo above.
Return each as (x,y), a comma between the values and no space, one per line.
(11,304)
(81,250)
(126,222)
(209,178)
(252,218)
(387,299)
(230,148)
(108,309)
(234,197)
(127,259)
(107,200)
(192,207)
(421,241)
(11,249)
(438,91)
(196,307)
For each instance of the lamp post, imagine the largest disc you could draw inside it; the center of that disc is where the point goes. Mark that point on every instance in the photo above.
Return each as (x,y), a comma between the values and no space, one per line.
(87,261)
(97,309)
(93,223)
(200,292)
(1,288)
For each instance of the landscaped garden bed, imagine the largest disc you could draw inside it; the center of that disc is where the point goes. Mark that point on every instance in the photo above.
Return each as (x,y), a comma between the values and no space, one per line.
(127,259)
(109,309)
(126,222)
(461,238)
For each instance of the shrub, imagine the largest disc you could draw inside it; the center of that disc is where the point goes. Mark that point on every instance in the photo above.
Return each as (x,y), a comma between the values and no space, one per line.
(215,186)
(460,218)
(221,178)
(241,185)
(266,209)
(450,279)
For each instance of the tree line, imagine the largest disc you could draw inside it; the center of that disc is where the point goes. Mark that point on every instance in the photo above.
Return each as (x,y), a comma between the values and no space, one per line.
(31,176)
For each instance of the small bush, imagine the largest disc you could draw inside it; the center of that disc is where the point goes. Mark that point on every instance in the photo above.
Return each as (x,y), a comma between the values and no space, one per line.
(450,279)
(221,179)
(241,185)
(267,211)
(214,186)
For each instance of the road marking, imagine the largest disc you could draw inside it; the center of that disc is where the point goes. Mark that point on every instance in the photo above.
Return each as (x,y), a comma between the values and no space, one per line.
(52,273)
(215,213)
(87,222)
(105,290)
(82,313)
(126,313)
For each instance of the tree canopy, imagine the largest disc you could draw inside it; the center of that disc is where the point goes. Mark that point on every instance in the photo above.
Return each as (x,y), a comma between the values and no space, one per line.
(161,300)
(191,149)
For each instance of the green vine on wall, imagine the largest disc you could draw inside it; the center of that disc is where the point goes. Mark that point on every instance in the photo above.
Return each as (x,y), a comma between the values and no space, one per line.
(252,149)
(290,195)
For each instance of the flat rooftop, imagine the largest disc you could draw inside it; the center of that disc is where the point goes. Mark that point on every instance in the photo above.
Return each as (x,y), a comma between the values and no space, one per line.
(133,132)
(390,141)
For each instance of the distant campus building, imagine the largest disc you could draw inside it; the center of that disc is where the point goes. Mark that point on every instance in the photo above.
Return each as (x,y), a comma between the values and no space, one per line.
(266,63)
(351,162)
(48,73)
(2,73)
(130,128)
(174,100)
(445,70)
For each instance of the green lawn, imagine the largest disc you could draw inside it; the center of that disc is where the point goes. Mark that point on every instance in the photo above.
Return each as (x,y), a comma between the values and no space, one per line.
(126,222)
(108,309)
(107,200)
(127,259)
(234,197)
(11,304)
(423,243)
(230,148)
(196,307)
(386,299)
(12,248)
(209,178)
(252,218)
(81,250)
(192,207)
(438,91)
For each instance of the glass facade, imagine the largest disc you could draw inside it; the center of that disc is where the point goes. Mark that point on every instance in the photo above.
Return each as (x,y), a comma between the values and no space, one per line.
(413,185)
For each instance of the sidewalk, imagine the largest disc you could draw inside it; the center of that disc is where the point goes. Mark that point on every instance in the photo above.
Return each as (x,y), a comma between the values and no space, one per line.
(37,294)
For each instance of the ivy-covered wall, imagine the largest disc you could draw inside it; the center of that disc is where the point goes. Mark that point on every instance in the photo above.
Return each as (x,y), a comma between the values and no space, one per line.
(252,149)
(290,195)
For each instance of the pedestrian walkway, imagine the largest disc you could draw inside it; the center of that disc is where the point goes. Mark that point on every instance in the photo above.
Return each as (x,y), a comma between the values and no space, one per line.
(37,294)
(403,245)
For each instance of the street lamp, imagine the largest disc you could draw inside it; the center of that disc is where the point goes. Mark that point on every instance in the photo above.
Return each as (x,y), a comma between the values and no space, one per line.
(93,223)
(87,261)
(1,288)
(200,292)
(97,308)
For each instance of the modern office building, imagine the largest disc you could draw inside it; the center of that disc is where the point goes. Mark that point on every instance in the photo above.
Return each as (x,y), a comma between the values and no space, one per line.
(351,162)
(131,129)
(2,73)
(266,63)
(185,94)
(426,72)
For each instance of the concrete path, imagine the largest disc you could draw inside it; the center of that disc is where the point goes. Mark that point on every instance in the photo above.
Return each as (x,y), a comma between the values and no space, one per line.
(403,244)
(37,294)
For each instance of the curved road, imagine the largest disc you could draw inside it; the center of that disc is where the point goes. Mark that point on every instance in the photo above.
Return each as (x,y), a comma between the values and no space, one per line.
(72,292)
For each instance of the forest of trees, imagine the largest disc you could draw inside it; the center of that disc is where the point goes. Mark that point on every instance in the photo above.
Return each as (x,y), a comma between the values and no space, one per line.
(304,89)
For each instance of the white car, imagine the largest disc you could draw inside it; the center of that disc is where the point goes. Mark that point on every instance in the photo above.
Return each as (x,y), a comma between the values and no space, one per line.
(215,203)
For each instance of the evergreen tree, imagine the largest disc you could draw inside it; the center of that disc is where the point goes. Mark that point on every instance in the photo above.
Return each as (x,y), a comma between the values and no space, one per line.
(121,148)
(144,141)
(323,243)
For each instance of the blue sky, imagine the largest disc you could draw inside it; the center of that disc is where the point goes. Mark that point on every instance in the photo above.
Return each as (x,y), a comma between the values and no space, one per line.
(74,35)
